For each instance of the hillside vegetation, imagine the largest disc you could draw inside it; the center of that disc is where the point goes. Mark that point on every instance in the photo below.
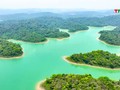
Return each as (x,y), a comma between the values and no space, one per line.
(111,37)
(97,58)
(9,49)
(43,27)
(38,29)
(79,82)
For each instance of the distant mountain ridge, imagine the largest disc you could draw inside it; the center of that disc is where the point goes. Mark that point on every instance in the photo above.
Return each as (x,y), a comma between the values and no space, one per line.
(34,13)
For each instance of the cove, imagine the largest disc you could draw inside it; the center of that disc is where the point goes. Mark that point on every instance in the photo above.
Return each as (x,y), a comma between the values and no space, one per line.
(40,61)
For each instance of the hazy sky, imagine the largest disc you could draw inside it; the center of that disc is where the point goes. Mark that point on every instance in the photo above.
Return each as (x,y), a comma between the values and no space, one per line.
(68,4)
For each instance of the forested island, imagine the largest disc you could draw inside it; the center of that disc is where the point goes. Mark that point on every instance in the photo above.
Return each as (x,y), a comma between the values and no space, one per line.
(111,37)
(96,58)
(79,82)
(9,49)
(40,28)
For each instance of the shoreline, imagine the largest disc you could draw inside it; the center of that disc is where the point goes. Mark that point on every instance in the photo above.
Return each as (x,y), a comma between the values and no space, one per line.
(16,57)
(28,42)
(106,42)
(38,85)
(58,39)
(67,30)
(61,39)
(78,31)
(44,42)
(73,63)
(9,58)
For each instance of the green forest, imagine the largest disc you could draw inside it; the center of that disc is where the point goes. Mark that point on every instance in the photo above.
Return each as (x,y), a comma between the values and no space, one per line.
(112,20)
(79,82)
(97,58)
(9,49)
(111,37)
(37,29)
(40,28)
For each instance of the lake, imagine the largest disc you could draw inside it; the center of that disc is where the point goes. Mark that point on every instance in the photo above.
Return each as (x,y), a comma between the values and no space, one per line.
(40,61)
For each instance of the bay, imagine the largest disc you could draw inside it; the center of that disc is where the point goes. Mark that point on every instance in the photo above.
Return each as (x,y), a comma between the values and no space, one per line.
(40,61)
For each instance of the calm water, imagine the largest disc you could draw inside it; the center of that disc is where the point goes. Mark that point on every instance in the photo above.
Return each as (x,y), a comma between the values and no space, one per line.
(42,60)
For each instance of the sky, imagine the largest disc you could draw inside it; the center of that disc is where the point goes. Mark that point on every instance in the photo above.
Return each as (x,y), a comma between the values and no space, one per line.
(60,4)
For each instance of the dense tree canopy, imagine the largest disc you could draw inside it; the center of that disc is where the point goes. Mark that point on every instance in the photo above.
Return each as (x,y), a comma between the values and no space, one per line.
(37,29)
(112,20)
(97,58)
(111,37)
(73,26)
(79,82)
(9,49)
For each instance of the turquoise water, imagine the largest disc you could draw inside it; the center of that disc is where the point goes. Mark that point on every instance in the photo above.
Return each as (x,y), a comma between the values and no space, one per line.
(42,60)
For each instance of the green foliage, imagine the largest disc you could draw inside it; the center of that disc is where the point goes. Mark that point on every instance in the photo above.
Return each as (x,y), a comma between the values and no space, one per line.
(9,49)
(111,37)
(37,29)
(112,20)
(79,82)
(73,26)
(97,58)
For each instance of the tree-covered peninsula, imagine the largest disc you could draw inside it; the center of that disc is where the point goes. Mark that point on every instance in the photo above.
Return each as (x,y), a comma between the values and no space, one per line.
(79,82)
(96,58)
(38,29)
(111,37)
(9,49)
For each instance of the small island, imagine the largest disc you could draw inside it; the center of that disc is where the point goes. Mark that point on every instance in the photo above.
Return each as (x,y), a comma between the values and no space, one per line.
(9,49)
(98,58)
(78,82)
(111,37)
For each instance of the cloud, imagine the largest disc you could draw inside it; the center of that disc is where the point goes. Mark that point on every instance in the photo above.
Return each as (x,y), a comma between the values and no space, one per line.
(67,4)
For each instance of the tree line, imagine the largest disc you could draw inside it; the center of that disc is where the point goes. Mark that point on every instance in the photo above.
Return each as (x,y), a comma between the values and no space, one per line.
(37,29)
(97,58)
(9,49)
(40,28)
(79,82)
(111,37)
